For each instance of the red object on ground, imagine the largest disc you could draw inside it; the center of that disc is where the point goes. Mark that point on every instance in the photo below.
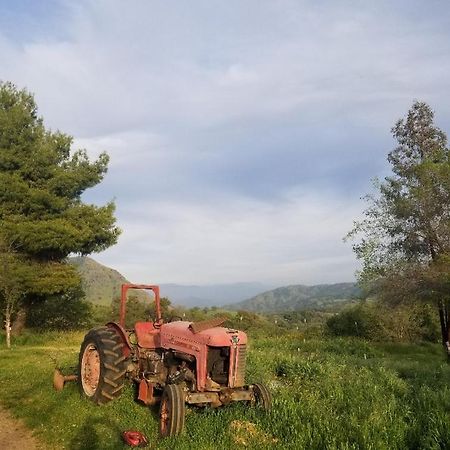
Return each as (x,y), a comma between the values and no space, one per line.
(134,438)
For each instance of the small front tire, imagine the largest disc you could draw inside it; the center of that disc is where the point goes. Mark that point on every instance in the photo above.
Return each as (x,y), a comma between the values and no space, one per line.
(262,396)
(172,411)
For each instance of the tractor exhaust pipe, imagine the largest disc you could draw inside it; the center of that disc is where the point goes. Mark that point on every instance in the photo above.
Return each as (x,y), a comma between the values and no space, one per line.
(59,380)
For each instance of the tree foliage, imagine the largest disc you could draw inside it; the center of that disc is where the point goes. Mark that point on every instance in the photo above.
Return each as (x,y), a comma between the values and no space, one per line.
(409,219)
(376,322)
(68,311)
(42,216)
(405,234)
(41,183)
(139,311)
(16,274)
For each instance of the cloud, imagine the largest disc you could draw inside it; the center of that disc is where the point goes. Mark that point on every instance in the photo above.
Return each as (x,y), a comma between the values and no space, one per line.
(297,240)
(241,135)
(151,64)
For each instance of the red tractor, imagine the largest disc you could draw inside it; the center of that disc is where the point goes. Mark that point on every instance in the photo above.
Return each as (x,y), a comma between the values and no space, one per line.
(174,363)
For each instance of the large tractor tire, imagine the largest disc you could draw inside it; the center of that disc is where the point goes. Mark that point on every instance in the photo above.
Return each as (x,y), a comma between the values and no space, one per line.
(263,397)
(102,366)
(172,411)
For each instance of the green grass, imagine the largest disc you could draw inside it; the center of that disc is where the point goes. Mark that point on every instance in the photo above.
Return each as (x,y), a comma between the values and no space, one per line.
(334,393)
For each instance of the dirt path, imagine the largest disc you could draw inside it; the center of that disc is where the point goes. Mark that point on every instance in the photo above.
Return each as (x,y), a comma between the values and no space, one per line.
(14,435)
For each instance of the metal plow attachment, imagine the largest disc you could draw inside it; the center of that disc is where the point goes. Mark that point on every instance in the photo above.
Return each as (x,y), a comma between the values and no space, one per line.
(59,380)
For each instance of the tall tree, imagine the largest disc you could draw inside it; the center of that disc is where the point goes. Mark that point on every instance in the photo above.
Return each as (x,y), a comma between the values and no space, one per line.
(405,233)
(42,216)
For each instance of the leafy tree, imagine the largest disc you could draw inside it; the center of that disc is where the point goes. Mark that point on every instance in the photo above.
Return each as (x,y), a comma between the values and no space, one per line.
(68,311)
(42,216)
(166,309)
(15,277)
(136,311)
(139,311)
(195,314)
(405,244)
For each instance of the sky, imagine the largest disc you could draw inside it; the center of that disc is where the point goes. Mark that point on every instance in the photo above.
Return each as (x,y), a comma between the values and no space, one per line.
(242,134)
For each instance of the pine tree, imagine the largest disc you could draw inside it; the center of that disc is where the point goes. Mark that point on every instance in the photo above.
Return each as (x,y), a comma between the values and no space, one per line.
(42,216)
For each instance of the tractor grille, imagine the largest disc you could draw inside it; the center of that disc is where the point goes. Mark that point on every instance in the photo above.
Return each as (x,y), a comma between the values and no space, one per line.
(239,377)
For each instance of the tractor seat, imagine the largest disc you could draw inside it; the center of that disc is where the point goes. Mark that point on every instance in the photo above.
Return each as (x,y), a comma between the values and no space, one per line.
(147,335)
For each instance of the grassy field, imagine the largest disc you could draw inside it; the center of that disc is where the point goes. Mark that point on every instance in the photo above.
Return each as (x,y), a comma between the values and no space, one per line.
(343,394)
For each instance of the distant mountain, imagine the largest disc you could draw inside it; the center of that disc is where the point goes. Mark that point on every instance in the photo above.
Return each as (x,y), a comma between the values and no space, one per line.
(211,295)
(298,297)
(100,283)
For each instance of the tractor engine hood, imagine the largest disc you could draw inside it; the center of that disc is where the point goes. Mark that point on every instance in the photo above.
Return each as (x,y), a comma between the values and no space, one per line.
(215,337)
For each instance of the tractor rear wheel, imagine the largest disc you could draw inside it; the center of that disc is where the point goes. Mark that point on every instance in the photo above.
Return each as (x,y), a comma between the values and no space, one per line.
(102,367)
(172,411)
(263,397)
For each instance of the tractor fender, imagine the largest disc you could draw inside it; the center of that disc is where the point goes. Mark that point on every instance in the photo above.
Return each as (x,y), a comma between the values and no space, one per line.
(123,334)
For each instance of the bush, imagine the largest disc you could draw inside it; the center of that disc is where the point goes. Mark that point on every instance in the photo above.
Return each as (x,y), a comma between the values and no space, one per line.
(251,322)
(66,312)
(376,321)
(360,321)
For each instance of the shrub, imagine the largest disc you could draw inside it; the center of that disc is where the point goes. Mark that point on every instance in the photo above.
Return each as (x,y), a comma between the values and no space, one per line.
(66,312)
(376,321)
(360,321)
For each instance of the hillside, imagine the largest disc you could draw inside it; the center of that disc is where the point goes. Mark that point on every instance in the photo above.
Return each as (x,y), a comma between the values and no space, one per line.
(100,283)
(211,295)
(298,297)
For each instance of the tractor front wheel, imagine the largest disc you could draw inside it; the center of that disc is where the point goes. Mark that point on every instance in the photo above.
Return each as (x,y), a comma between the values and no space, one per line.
(262,396)
(172,411)
(101,368)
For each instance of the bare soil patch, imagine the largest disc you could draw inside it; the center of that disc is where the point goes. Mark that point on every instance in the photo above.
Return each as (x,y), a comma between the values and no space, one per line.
(14,435)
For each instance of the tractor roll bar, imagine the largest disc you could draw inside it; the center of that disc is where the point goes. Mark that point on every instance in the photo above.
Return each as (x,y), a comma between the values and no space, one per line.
(123,301)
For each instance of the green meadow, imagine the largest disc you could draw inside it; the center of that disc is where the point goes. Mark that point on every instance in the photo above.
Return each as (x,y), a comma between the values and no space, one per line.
(334,393)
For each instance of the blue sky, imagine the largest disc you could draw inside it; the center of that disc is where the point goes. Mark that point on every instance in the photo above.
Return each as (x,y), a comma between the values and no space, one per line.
(242,134)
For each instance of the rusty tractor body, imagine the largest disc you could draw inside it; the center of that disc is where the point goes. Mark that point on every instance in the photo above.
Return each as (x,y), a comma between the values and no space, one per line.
(175,363)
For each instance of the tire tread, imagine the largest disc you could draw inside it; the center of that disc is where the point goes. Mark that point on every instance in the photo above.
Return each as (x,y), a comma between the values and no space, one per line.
(112,363)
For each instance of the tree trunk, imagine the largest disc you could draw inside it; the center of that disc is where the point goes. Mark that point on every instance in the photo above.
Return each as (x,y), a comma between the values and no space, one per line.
(8,327)
(19,322)
(444,316)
